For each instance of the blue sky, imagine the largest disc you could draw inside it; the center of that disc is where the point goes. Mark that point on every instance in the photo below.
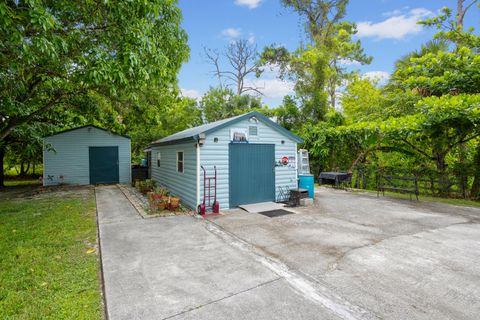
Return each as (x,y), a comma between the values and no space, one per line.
(387,29)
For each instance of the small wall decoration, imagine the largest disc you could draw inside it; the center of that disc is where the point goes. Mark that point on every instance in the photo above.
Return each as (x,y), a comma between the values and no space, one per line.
(239,135)
(287,161)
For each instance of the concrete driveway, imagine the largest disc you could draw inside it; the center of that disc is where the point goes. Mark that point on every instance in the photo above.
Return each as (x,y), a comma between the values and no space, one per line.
(351,256)
(182,267)
(397,259)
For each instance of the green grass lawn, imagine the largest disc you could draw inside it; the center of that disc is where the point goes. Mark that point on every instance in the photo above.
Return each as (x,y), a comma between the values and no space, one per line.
(15,170)
(457,202)
(26,182)
(49,268)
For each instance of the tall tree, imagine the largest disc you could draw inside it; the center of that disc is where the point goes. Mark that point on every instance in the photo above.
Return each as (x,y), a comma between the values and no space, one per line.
(56,55)
(321,17)
(319,67)
(241,58)
(462,8)
(452,29)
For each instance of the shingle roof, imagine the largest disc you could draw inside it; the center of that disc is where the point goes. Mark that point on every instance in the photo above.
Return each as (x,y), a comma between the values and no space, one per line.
(193,133)
(85,126)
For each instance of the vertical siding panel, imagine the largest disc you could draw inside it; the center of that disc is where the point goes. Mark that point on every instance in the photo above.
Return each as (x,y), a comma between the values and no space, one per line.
(70,157)
(183,185)
(216,154)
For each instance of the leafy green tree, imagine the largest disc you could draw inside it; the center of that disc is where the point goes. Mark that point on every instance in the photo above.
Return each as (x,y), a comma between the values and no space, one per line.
(155,114)
(362,100)
(442,73)
(318,68)
(452,28)
(288,114)
(58,56)
(220,103)
(433,46)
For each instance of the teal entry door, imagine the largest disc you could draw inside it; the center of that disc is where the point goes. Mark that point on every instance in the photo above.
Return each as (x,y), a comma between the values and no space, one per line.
(251,173)
(103,165)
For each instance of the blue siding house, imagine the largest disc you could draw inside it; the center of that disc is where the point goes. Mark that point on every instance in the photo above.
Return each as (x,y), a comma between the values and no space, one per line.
(86,155)
(254,157)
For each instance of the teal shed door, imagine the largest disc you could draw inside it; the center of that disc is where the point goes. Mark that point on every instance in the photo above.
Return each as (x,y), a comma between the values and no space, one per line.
(103,165)
(251,173)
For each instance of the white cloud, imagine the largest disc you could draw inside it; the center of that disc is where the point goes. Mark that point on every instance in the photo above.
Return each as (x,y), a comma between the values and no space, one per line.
(396,12)
(272,88)
(190,93)
(396,27)
(269,83)
(270,70)
(381,77)
(251,38)
(232,32)
(251,4)
(348,62)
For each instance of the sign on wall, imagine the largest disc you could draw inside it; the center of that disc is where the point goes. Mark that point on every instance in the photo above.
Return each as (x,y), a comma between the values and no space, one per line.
(239,135)
(287,161)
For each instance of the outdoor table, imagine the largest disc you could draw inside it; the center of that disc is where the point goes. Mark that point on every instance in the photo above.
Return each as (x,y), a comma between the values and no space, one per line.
(296,194)
(333,178)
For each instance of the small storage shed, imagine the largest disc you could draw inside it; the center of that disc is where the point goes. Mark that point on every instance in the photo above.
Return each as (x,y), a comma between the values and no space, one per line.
(86,155)
(255,159)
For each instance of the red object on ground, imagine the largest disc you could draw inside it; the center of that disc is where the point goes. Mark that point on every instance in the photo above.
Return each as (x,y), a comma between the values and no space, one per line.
(208,187)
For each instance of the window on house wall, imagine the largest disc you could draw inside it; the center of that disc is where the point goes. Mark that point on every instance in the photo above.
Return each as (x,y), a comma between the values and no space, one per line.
(159,157)
(252,130)
(180,161)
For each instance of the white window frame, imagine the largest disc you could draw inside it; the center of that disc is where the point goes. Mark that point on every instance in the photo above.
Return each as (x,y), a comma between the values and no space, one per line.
(159,159)
(183,161)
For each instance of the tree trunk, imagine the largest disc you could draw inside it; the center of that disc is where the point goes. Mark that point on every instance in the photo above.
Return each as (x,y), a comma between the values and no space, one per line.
(33,168)
(22,169)
(2,174)
(442,174)
(460,14)
(461,176)
(475,191)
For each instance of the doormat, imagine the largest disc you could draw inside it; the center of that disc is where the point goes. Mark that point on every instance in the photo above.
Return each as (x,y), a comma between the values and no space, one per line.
(275,213)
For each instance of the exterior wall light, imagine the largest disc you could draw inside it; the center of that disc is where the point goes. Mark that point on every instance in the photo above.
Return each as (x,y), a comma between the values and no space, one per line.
(201,139)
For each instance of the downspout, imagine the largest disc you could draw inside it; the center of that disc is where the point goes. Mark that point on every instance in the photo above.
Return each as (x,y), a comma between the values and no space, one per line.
(297,156)
(43,163)
(200,142)
(198,175)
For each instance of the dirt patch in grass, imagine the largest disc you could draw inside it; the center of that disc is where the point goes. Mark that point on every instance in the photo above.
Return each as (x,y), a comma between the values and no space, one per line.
(38,191)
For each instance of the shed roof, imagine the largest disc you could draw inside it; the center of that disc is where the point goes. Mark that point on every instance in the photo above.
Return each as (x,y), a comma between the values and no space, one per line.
(193,133)
(85,126)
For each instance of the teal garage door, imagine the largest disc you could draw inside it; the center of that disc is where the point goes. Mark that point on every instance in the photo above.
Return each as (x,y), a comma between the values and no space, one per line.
(251,173)
(103,165)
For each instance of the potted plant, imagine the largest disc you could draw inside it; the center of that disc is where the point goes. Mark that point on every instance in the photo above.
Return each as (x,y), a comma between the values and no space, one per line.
(174,203)
(161,205)
(146,186)
(158,199)
(151,200)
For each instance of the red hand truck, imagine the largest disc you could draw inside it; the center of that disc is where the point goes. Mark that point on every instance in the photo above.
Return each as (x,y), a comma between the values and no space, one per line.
(208,187)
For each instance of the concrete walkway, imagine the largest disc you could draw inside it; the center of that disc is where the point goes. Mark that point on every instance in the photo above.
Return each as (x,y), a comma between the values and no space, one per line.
(182,267)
